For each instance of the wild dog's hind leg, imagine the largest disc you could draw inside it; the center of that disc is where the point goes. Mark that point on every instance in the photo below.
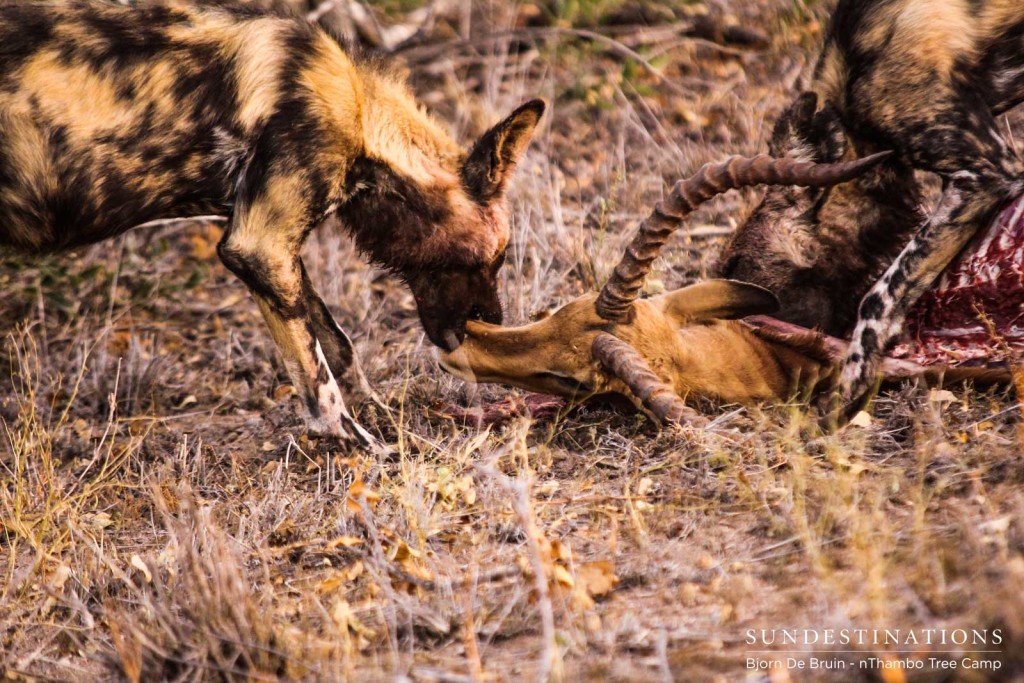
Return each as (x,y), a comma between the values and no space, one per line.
(266,257)
(979,173)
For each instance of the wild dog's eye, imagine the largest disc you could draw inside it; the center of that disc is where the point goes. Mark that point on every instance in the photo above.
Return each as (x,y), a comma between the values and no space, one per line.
(567,383)
(498,262)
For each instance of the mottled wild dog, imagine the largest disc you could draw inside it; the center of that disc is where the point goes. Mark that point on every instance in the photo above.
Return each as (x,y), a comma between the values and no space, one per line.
(926,79)
(111,117)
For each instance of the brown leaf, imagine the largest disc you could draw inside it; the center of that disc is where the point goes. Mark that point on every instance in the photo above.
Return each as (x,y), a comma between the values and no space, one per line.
(129,652)
(358,490)
(341,578)
(562,576)
(344,541)
(597,578)
(559,551)
(283,392)
(137,562)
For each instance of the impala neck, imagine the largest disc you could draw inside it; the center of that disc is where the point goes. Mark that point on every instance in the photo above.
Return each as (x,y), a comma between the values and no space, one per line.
(728,360)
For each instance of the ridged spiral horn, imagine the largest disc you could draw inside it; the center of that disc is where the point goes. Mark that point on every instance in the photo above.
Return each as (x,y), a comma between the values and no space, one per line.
(623,361)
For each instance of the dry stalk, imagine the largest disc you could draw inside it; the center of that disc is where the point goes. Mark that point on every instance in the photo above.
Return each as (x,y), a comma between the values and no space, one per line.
(549,663)
(476,669)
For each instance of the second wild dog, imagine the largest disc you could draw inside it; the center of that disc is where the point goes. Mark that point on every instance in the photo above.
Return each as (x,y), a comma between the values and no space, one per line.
(925,79)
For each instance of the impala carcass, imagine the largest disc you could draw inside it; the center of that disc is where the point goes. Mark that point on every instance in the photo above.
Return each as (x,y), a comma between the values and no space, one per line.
(709,340)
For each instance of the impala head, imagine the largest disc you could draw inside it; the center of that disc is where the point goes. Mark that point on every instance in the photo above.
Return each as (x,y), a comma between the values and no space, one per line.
(646,349)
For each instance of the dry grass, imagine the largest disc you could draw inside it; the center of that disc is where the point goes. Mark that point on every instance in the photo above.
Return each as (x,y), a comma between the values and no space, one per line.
(164,516)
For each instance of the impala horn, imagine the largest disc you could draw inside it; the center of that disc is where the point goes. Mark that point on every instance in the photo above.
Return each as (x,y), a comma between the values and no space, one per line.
(615,302)
(623,287)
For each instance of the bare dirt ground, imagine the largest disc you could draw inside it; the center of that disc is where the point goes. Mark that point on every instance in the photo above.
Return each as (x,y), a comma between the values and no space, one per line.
(163,514)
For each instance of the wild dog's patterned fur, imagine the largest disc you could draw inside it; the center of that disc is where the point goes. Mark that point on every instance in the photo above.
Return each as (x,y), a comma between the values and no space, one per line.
(820,249)
(925,78)
(111,117)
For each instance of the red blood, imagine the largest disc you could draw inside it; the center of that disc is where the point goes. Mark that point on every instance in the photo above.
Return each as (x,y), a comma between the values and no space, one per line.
(974,313)
(540,407)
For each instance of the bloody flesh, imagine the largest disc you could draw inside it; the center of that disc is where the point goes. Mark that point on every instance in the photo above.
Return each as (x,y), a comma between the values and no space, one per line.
(974,313)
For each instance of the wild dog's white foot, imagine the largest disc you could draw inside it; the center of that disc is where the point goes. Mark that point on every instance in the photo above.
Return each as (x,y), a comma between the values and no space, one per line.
(860,366)
(344,428)
(329,415)
(859,375)
(880,319)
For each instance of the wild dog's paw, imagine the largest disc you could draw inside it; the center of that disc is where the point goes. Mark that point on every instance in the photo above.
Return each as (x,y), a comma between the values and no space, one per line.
(831,416)
(350,433)
(858,384)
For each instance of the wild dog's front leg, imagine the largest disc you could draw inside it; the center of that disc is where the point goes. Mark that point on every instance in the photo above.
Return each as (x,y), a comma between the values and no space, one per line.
(970,198)
(954,135)
(336,345)
(311,373)
(267,260)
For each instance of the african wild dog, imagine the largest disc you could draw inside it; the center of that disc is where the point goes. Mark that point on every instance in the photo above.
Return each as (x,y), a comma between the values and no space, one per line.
(820,249)
(111,117)
(925,79)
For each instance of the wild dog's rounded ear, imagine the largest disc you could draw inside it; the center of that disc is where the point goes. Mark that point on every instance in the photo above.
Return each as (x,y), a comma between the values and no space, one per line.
(490,162)
(369,175)
(786,136)
(810,133)
(717,299)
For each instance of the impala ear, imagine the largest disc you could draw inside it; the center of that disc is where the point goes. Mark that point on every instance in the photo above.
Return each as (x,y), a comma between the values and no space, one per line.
(717,299)
(810,133)
(494,156)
